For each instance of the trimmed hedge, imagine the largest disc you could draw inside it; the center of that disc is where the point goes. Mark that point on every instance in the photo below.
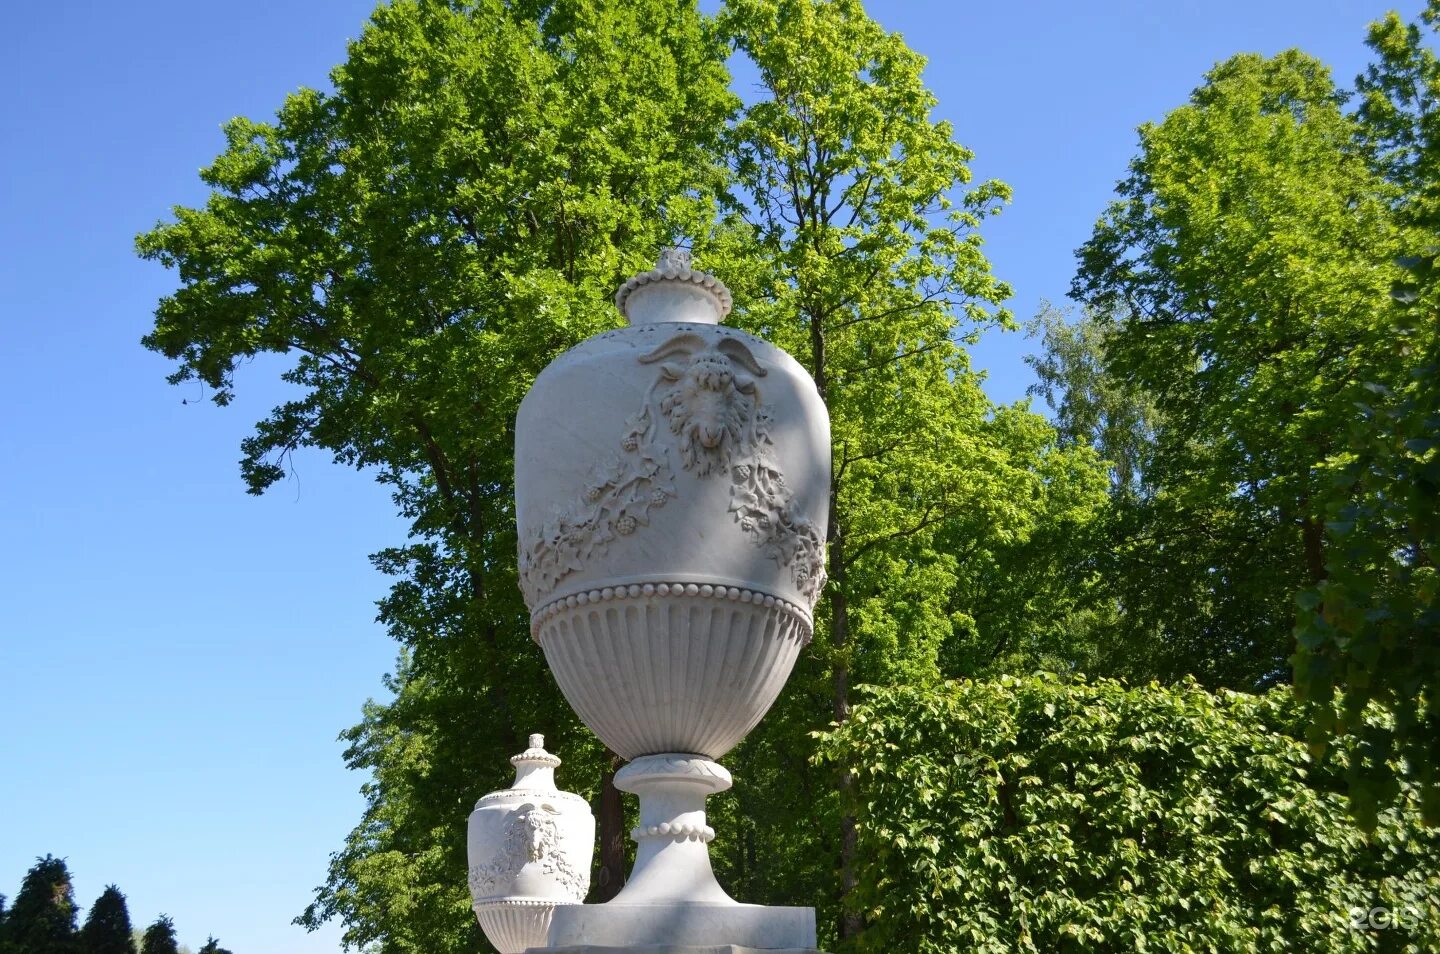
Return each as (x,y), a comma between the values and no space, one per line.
(1050,815)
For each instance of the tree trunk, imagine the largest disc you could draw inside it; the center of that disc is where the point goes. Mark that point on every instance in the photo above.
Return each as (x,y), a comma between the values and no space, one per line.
(611,823)
(850,922)
(1312,535)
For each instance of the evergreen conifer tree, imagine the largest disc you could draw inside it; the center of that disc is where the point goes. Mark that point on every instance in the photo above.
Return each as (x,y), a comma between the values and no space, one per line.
(160,937)
(212,946)
(107,927)
(42,920)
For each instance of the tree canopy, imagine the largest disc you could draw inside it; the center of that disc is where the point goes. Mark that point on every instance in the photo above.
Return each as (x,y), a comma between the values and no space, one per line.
(1371,628)
(42,918)
(1247,280)
(159,937)
(107,927)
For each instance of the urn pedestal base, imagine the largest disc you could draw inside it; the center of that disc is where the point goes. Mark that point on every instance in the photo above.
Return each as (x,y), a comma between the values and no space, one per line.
(672,901)
(687,928)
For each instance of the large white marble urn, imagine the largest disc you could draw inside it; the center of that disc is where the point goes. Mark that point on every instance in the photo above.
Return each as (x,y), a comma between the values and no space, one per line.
(672,483)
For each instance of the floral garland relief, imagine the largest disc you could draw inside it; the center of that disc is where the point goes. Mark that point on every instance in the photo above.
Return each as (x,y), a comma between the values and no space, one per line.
(617,500)
(710,397)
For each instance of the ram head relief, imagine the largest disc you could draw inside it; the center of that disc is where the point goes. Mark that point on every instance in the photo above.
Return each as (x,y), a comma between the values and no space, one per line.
(709,395)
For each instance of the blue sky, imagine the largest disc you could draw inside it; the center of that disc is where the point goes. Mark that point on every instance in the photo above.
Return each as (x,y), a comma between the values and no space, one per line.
(176,657)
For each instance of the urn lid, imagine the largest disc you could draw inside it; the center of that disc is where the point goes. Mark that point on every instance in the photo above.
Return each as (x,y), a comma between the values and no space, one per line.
(673,291)
(535,768)
(534,778)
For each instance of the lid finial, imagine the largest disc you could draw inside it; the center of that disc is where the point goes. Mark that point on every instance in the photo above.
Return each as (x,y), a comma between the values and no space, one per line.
(535,754)
(673,258)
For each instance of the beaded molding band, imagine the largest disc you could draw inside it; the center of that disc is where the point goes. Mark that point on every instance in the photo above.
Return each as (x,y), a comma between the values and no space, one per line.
(640,590)
(702,833)
(536,795)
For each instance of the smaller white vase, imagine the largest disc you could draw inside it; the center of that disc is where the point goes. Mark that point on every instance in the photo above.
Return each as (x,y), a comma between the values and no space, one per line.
(529,851)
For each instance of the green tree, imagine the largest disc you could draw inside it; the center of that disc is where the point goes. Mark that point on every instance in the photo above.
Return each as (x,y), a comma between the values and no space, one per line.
(871,273)
(107,927)
(1305,318)
(1241,274)
(1156,610)
(42,919)
(1371,626)
(420,242)
(212,946)
(1091,406)
(852,190)
(1399,95)
(426,238)
(159,937)
(1130,596)
(1047,814)
(1027,593)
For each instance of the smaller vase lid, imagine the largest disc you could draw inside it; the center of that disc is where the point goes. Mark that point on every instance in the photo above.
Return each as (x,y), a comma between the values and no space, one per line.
(535,768)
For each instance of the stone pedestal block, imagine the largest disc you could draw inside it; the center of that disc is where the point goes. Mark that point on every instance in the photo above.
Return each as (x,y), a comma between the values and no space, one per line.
(702,927)
(672,949)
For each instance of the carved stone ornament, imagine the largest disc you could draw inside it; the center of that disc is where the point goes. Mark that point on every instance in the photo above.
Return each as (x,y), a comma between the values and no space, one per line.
(529,848)
(672,486)
(616,501)
(532,837)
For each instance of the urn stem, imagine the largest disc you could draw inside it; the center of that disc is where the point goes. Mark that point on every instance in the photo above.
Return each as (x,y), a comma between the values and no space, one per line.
(672,862)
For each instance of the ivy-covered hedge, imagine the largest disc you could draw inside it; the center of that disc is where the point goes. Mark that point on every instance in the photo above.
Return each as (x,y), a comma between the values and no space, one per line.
(1047,815)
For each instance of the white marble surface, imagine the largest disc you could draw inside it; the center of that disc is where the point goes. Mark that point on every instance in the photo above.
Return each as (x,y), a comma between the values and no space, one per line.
(672,862)
(672,672)
(674,949)
(672,492)
(529,850)
(672,451)
(682,925)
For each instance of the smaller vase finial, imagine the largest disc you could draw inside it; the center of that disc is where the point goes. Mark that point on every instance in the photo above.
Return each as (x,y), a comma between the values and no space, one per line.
(674,258)
(534,768)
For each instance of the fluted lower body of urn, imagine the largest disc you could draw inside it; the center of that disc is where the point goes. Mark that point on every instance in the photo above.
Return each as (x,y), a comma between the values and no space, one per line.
(513,927)
(672,667)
